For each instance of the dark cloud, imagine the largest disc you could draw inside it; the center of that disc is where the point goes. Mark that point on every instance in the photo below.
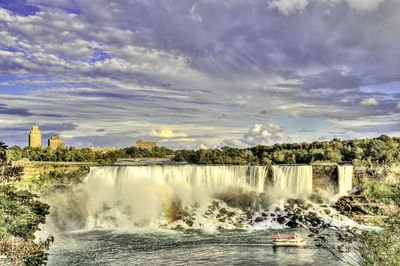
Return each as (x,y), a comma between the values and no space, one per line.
(377,128)
(331,79)
(65,126)
(4,109)
(14,111)
(44,127)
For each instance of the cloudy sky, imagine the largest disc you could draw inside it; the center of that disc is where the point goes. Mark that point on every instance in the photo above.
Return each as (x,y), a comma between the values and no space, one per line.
(203,73)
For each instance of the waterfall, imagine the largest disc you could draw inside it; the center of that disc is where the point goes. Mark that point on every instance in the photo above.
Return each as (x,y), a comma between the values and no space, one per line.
(118,196)
(293,179)
(345,176)
(182,196)
(212,177)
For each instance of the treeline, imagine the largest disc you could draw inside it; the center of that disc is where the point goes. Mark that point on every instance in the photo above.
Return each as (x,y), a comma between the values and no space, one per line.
(381,150)
(73,154)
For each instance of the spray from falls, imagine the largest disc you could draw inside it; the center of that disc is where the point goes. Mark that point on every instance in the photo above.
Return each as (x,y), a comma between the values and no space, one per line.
(176,196)
(345,176)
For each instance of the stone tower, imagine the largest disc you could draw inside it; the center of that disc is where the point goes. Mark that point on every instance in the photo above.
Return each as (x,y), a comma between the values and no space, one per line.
(35,138)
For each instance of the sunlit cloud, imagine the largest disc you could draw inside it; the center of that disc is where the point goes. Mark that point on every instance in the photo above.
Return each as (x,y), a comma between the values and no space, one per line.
(179,140)
(369,101)
(167,133)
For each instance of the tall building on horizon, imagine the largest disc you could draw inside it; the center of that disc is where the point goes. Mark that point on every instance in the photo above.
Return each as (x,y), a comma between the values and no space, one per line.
(35,137)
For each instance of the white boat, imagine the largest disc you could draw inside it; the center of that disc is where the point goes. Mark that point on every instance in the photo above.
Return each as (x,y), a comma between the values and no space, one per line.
(289,241)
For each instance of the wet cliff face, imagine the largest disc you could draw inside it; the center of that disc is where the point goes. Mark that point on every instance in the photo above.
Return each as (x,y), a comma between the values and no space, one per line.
(325,177)
(381,173)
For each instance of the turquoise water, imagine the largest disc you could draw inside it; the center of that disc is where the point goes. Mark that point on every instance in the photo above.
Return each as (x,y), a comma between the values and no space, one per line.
(186,247)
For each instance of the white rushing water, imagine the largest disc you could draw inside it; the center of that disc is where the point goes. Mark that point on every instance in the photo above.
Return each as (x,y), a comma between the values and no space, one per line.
(212,177)
(345,177)
(157,194)
(294,179)
(181,196)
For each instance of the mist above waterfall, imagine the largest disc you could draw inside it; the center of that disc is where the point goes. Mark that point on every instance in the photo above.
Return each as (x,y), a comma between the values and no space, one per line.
(179,196)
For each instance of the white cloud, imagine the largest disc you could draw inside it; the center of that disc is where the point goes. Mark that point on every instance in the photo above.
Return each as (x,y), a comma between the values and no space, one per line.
(179,140)
(5,15)
(288,7)
(6,39)
(167,133)
(259,134)
(194,15)
(398,106)
(66,136)
(368,102)
(364,5)
(78,48)
(268,134)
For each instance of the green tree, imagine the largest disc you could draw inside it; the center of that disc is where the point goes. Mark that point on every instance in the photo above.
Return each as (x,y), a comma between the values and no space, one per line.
(14,153)
(363,247)
(8,172)
(20,216)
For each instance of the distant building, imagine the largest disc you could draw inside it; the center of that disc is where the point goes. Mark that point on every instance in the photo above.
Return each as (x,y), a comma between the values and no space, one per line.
(35,138)
(55,142)
(145,144)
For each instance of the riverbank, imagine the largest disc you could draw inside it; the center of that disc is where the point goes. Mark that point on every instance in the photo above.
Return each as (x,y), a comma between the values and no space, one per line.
(372,205)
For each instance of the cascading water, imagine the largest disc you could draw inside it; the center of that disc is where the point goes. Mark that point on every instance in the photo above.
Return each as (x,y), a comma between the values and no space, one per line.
(345,176)
(176,196)
(296,180)
(142,194)
(213,177)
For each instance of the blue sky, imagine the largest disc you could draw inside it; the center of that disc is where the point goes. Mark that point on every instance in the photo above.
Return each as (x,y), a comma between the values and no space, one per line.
(199,74)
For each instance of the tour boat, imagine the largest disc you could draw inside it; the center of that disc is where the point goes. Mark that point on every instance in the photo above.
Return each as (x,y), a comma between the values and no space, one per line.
(288,241)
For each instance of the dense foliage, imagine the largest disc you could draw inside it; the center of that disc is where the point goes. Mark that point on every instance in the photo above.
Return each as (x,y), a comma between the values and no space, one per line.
(8,172)
(381,150)
(57,178)
(72,154)
(388,194)
(373,246)
(20,216)
(21,212)
(364,247)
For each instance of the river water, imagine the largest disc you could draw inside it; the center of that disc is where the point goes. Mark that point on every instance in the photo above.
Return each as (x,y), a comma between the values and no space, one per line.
(183,247)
